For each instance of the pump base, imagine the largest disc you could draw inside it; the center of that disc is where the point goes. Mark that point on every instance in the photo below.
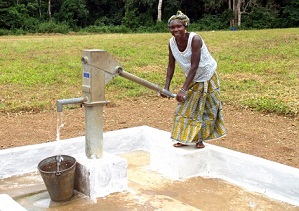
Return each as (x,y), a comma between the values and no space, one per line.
(101,177)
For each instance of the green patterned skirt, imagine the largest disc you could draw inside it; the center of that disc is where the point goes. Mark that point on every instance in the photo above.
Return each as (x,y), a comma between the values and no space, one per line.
(200,117)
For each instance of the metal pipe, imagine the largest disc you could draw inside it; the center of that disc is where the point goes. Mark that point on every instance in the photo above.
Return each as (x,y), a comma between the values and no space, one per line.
(60,103)
(145,83)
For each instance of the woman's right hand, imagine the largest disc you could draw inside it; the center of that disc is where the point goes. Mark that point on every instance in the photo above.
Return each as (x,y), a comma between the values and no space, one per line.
(180,97)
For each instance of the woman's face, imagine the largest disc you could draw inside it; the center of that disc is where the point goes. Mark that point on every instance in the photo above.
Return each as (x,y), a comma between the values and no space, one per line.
(177,28)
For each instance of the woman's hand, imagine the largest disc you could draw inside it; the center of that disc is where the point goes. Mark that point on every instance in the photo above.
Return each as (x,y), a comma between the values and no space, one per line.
(180,97)
(164,96)
(166,89)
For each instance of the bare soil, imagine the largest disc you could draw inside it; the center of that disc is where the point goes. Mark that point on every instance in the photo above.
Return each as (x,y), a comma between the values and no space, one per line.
(268,136)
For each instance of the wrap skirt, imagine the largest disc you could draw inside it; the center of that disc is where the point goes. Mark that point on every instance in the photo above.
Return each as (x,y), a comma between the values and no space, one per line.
(200,117)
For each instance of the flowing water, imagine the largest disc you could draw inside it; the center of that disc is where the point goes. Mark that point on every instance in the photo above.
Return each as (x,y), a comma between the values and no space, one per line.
(60,124)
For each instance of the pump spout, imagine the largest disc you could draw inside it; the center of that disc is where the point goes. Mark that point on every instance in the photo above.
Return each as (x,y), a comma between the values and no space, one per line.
(60,103)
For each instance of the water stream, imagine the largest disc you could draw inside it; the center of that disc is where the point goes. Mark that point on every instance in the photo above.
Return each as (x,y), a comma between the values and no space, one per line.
(59,158)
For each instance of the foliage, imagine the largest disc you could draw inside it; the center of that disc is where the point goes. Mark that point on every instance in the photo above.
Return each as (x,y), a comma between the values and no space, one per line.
(17,17)
(156,28)
(4,32)
(211,22)
(53,27)
(260,18)
(290,14)
(106,29)
(131,18)
(141,15)
(74,12)
(137,14)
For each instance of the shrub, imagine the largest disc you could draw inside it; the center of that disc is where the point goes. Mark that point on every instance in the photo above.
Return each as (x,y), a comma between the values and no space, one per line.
(260,18)
(209,22)
(4,32)
(53,27)
(106,29)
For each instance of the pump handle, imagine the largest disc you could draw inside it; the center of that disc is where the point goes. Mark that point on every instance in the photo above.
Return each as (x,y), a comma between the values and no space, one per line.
(143,82)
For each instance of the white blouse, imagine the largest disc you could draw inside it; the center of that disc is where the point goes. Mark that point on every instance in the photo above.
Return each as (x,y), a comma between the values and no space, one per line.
(207,64)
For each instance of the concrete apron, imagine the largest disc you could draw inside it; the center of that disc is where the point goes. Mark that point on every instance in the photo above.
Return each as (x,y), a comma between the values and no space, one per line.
(159,175)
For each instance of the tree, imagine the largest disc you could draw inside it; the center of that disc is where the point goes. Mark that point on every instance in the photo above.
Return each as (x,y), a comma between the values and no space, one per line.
(240,7)
(291,14)
(73,12)
(49,9)
(159,10)
(16,17)
(39,8)
(139,13)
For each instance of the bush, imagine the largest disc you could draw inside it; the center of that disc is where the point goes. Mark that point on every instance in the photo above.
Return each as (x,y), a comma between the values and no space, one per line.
(290,14)
(159,27)
(18,32)
(53,27)
(30,24)
(106,29)
(260,18)
(209,22)
(119,29)
(4,32)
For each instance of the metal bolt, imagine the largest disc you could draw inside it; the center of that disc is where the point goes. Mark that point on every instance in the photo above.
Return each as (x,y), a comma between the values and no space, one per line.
(84,59)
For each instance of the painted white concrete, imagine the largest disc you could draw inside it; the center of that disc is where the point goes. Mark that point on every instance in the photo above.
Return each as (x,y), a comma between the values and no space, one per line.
(277,181)
(8,204)
(179,163)
(101,177)
(21,160)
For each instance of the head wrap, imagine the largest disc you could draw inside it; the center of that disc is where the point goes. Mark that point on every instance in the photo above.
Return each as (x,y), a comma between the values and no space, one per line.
(181,17)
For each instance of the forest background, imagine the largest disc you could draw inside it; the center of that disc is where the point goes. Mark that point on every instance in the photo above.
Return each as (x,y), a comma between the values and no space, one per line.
(129,16)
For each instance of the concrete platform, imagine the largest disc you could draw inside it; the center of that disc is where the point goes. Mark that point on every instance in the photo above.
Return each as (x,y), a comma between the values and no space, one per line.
(160,177)
(101,177)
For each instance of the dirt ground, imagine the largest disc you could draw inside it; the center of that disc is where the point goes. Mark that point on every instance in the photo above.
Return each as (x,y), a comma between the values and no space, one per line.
(268,136)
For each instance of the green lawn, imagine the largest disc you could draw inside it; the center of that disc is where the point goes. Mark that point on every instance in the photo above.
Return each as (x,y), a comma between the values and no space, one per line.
(258,69)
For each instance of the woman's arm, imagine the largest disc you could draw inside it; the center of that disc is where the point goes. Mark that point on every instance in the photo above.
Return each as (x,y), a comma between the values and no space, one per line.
(195,59)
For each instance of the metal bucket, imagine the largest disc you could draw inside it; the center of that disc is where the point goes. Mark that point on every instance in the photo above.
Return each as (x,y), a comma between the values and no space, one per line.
(59,178)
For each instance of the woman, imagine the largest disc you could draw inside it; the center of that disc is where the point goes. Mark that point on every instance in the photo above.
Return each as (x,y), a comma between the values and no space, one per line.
(198,116)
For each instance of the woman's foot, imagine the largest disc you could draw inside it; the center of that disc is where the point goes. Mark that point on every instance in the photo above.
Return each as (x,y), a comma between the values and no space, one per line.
(179,145)
(199,145)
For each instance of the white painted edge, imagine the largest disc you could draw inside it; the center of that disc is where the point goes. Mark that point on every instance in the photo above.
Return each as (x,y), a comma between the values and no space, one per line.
(8,204)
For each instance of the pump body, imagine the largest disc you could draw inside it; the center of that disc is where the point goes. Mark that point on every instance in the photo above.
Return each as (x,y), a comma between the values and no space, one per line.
(98,68)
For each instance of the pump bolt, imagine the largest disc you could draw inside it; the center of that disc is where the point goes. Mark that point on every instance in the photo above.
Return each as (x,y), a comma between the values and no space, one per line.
(118,69)
(84,59)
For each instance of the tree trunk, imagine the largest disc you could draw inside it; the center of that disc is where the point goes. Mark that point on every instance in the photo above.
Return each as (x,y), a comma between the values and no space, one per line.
(239,12)
(235,10)
(159,18)
(231,22)
(39,8)
(49,9)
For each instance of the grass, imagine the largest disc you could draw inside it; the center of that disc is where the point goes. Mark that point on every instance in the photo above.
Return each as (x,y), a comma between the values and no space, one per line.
(258,69)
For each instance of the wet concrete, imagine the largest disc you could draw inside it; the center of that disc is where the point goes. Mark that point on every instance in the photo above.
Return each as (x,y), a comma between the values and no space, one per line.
(148,190)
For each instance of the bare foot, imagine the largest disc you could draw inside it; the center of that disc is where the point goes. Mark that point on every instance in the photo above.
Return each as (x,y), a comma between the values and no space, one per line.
(199,145)
(179,145)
